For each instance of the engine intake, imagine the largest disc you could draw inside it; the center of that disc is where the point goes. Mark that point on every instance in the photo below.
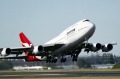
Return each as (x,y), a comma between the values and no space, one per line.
(107,47)
(98,46)
(38,49)
(6,52)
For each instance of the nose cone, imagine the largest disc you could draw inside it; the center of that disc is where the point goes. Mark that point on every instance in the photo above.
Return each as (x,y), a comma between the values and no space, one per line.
(91,29)
(92,26)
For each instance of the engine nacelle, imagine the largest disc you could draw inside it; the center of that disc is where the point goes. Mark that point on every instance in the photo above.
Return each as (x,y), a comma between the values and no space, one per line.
(96,47)
(93,47)
(107,47)
(38,49)
(6,52)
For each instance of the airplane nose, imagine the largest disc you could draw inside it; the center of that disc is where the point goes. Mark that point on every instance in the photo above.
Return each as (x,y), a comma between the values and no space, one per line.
(92,26)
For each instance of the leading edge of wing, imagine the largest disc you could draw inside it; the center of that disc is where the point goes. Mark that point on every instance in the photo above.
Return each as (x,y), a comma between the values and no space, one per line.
(21,49)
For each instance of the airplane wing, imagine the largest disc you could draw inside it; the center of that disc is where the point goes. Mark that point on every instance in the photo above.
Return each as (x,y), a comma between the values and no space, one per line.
(17,51)
(31,50)
(19,57)
(21,49)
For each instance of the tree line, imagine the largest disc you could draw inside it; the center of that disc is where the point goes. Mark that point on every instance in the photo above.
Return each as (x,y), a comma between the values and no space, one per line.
(83,62)
(105,58)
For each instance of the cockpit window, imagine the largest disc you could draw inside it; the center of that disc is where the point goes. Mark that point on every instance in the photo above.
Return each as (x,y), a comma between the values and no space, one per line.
(86,20)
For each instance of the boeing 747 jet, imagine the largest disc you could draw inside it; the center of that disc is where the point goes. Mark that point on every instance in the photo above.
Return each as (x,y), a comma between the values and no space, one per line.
(70,42)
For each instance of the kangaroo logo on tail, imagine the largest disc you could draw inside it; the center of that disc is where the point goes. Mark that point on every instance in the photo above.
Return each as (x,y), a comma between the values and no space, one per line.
(24,40)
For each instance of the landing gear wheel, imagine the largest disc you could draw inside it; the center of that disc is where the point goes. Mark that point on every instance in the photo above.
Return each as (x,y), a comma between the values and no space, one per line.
(48,59)
(63,60)
(54,60)
(75,56)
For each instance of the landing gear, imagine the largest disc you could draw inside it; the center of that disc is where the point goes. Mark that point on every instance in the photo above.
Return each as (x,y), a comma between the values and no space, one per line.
(63,60)
(54,60)
(48,59)
(51,60)
(75,56)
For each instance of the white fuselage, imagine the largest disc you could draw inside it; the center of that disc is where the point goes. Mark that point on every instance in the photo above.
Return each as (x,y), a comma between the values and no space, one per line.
(68,41)
(73,35)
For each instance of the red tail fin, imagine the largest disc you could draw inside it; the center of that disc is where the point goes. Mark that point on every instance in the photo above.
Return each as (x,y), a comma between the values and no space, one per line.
(27,43)
(24,40)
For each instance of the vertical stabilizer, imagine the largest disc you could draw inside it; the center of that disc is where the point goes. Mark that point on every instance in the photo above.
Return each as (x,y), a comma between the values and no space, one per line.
(25,41)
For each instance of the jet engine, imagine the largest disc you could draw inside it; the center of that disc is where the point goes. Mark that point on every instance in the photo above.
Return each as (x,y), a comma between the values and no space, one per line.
(96,47)
(38,49)
(107,47)
(93,47)
(6,52)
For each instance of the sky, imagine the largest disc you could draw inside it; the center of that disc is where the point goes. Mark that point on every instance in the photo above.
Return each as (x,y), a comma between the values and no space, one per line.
(41,20)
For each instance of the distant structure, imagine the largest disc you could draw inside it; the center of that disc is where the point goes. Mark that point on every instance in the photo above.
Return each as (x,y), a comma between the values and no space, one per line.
(102,66)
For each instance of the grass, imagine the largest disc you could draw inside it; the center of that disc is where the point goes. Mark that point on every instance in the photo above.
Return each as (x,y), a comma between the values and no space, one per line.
(110,77)
(61,70)
(76,70)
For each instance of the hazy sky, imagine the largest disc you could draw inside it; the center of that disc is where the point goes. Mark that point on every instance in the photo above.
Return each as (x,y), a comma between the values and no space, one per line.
(41,20)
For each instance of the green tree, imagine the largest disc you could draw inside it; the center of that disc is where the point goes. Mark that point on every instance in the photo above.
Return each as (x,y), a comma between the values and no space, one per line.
(83,63)
(117,66)
(111,59)
(108,58)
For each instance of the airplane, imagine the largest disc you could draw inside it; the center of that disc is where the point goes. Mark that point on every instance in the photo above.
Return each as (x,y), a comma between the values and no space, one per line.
(70,42)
